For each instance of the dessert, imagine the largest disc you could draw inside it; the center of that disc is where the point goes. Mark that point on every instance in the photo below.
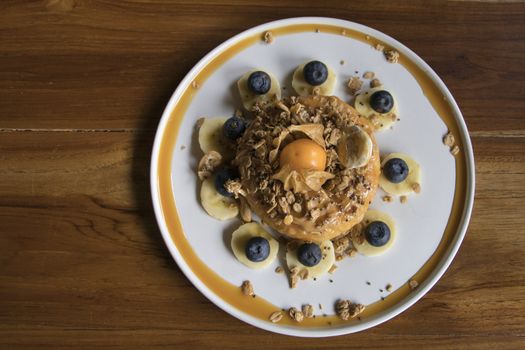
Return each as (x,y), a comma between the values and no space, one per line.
(282,170)
(307,166)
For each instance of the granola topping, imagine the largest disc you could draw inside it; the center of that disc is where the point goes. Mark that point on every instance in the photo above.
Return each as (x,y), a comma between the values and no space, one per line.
(247,288)
(345,309)
(391,56)
(413,284)
(268,37)
(208,163)
(276,316)
(354,84)
(375,83)
(368,75)
(295,314)
(449,140)
(308,311)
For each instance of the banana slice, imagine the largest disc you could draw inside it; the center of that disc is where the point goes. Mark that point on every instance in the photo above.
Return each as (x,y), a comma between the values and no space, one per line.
(243,234)
(354,148)
(212,139)
(318,270)
(411,184)
(366,248)
(215,204)
(249,98)
(380,121)
(304,89)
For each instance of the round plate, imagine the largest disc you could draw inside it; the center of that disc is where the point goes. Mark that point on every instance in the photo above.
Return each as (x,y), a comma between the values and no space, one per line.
(431,225)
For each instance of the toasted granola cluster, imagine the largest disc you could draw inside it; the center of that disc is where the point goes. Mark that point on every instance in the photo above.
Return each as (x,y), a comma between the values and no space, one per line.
(257,156)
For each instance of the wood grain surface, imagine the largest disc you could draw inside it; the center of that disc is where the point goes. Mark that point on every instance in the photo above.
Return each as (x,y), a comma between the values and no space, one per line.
(82,87)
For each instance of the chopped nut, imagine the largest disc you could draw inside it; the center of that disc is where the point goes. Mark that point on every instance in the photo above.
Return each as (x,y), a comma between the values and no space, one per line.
(247,288)
(346,309)
(368,75)
(279,269)
(413,284)
(356,309)
(343,32)
(288,219)
(342,309)
(387,199)
(354,85)
(449,140)
(308,311)
(352,252)
(276,316)
(388,287)
(295,314)
(294,276)
(416,187)
(375,83)
(315,213)
(195,85)
(403,199)
(379,47)
(235,187)
(268,37)
(454,150)
(244,210)
(332,268)
(290,198)
(304,274)
(392,56)
(209,162)
(297,207)
(367,37)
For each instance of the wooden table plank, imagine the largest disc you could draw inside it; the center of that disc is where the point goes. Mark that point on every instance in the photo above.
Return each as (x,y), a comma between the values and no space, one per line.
(82,263)
(114,65)
(81,253)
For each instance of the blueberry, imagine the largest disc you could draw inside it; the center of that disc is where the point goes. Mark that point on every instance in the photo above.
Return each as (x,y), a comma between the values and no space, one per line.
(395,170)
(315,73)
(309,254)
(382,101)
(259,82)
(221,177)
(233,128)
(257,249)
(377,233)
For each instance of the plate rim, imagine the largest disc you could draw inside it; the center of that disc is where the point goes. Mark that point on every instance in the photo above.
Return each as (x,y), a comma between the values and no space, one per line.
(401,306)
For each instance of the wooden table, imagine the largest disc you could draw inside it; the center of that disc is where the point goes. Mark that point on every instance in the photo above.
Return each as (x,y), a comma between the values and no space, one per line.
(82,87)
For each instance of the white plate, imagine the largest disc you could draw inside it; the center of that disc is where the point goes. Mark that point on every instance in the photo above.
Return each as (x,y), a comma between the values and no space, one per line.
(431,225)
